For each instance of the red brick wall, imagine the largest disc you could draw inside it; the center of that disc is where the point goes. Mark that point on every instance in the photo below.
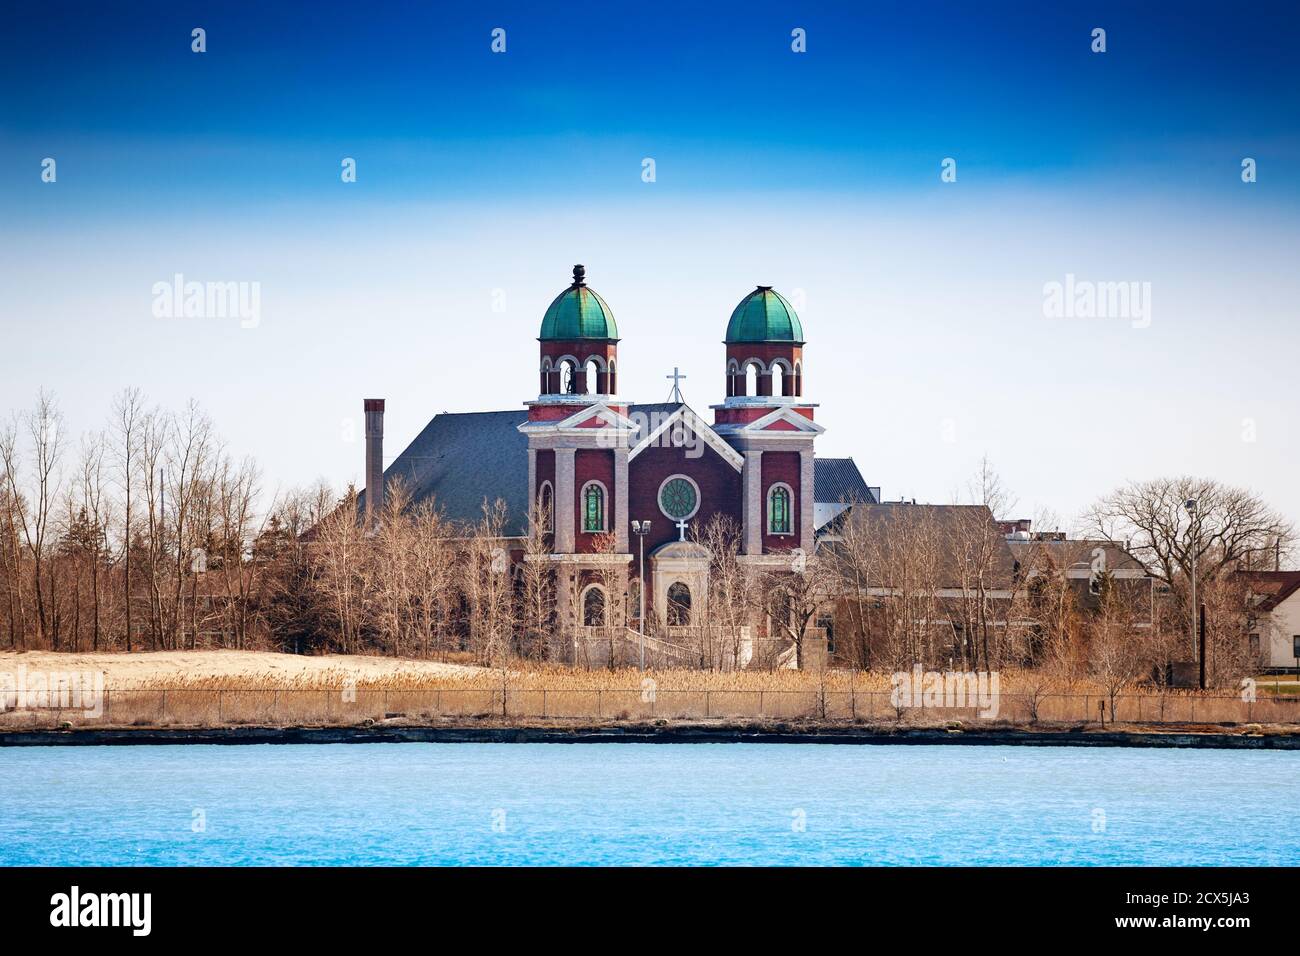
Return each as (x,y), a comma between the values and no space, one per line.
(781,466)
(720,491)
(545,472)
(592,464)
(744,414)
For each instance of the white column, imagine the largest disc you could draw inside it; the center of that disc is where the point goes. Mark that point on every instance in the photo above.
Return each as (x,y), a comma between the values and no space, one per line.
(807,495)
(564,502)
(751,476)
(621,529)
(532,485)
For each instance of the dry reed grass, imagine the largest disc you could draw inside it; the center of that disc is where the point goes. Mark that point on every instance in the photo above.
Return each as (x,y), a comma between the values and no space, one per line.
(563,678)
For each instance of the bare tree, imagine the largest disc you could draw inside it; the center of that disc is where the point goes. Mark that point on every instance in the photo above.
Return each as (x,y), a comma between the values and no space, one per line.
(43,426)
(610,574)
(127,415)
(238,527)
(731,597)
(538,578)
(1116,652)
(795,596)
(489,586)
(12,507)
(189,453)
(94,519)
(979,548)
(337,557)
(1232,528)
(888,561)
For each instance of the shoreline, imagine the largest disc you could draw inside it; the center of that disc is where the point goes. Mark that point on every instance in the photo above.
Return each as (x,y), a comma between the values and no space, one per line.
(643,733)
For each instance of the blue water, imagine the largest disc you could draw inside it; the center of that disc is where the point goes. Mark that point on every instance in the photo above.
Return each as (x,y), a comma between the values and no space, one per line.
(645,804)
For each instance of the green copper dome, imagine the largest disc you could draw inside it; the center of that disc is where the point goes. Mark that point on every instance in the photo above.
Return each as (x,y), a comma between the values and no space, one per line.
(764,316)
(578,313)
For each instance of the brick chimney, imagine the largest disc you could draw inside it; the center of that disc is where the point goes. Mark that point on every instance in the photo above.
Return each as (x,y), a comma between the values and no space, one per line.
(374,459)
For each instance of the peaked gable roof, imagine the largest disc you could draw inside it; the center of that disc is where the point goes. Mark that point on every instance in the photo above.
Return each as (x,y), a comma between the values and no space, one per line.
(942,532)
(1273,587)
(660,418)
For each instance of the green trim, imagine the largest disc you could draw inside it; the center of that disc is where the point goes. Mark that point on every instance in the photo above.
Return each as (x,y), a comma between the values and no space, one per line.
(578,313)
(764,316)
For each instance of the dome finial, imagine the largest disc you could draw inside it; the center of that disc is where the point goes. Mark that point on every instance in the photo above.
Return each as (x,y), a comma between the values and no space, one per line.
(579,275)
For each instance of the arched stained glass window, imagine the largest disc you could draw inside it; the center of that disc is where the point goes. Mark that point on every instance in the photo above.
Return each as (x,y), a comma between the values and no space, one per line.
(778,510)
(593,508)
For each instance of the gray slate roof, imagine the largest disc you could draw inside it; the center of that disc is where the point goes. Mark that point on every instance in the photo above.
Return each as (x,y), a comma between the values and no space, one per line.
(838,480)
(1074,552)
(464,458)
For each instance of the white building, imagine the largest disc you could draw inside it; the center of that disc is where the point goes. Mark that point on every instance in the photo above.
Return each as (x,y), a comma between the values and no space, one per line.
(1274,624)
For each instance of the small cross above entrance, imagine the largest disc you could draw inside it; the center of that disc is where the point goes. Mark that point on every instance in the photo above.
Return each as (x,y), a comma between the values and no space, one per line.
(681,530)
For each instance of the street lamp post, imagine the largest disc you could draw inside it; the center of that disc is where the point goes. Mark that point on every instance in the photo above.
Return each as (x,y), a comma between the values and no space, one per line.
(1190,505)
(641,529)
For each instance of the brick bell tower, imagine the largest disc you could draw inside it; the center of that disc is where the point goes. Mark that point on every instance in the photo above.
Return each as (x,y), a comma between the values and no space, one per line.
(766,419)
(578,441)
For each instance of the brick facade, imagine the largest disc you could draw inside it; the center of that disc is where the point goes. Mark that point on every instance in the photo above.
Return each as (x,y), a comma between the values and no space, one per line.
(719,485)
(782,467)
(593,464)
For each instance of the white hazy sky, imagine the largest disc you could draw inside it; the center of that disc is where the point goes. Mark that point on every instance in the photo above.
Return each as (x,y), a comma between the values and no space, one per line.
(924,319)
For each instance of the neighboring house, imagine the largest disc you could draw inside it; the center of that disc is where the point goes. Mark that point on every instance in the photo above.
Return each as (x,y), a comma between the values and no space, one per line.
(1083,561)
(954,554)
(1274,620)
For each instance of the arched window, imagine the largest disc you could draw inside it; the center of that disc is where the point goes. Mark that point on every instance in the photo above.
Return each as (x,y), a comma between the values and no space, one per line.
(752,370)
(594,375)
(679,605)
(593,507)
(546,506)
(734,381)
(778,510)
(798,379)
(568,376)
(593,606)
(779,383)
(612,387)
(547,384)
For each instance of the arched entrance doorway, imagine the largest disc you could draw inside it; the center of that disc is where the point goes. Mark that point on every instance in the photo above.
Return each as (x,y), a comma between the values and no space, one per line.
(593,606)
(679,605)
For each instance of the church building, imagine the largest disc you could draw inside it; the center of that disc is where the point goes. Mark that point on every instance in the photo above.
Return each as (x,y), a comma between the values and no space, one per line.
(617,480)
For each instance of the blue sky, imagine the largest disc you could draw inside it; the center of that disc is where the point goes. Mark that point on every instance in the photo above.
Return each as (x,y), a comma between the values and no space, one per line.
(482,173)
(1012,90)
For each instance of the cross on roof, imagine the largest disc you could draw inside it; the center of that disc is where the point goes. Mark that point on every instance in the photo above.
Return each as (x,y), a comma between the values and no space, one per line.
(676,394)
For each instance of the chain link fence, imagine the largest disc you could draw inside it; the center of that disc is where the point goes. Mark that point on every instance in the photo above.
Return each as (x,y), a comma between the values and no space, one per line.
(184,707)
